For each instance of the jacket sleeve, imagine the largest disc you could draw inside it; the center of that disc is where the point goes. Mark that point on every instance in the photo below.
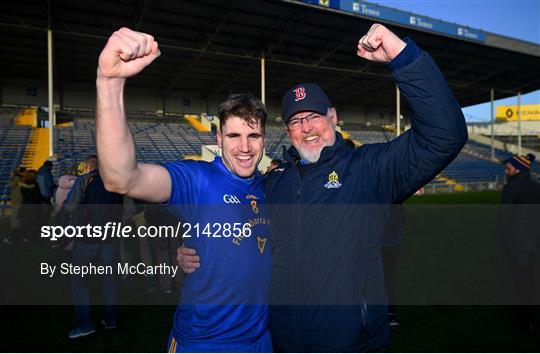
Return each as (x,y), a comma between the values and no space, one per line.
(50,181)
(504,214)
(438,132)
(76,194)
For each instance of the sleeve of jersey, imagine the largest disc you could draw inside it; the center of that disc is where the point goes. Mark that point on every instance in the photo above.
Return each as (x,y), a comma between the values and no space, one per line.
(438,132)
(185,182)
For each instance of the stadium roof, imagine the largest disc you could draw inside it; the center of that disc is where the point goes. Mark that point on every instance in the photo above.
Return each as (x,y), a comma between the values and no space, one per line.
(214,47)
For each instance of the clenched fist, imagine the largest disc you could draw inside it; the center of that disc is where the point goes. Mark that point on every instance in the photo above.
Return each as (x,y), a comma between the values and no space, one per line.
(126,54)
(187,259)
(379,44)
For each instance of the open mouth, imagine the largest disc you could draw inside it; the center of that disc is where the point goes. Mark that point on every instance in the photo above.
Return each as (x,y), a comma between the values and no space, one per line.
(311,139)
(244,161)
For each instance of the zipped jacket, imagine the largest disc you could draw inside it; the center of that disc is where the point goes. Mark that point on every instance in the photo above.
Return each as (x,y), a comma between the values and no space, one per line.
(327,290)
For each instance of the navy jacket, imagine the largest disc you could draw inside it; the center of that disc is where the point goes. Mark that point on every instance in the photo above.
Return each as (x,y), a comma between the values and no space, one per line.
(89,202)
(45,182)
(517,220)
(327,290)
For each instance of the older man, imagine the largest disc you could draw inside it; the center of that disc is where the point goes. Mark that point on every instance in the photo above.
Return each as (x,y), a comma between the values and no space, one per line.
(327,203)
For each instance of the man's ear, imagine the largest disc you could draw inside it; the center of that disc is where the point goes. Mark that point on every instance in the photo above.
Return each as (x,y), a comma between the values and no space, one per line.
(219,138)
(334,116)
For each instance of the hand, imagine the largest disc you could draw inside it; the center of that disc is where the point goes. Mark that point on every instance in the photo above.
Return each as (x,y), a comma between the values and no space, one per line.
(126,54)
(379,44)
(187,259)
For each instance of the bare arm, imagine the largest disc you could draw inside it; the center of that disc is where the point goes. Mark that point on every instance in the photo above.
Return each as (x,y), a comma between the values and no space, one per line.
(126,54)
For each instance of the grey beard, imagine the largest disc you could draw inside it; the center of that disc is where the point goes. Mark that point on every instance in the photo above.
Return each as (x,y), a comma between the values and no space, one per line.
(311,157)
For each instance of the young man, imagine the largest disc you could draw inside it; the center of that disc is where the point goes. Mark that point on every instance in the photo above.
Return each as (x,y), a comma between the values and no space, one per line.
(327,204)
(224,306)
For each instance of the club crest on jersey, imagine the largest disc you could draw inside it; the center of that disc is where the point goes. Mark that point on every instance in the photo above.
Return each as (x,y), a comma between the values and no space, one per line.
(333,181)
(300,93)
(261,242)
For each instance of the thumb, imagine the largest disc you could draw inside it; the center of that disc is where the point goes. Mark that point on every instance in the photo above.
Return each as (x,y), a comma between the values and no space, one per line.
(154,53)
(155,49)
(363,53)
(360,51)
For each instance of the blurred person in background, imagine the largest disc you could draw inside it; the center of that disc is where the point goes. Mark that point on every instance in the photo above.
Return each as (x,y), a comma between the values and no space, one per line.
(45,181)
(519,234)
(273,165)
(16,200)
(65,182)
(31,202)
(96,206)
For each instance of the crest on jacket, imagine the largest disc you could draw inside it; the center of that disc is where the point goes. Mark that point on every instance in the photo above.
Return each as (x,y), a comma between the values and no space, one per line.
(333,181)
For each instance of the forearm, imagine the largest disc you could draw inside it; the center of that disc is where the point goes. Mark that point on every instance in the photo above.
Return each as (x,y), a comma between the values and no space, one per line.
(115,146)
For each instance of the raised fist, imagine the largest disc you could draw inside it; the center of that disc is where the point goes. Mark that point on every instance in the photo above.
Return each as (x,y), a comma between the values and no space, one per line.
(126,54)
(379,44)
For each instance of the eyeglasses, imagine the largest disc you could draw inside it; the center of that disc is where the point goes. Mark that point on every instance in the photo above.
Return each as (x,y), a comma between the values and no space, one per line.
(296,123)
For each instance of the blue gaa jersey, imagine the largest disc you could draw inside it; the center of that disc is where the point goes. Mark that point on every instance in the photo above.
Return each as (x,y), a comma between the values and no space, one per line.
(224,303)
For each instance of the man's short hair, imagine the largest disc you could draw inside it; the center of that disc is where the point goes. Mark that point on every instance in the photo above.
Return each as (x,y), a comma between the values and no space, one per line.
(245,106)
(91,162)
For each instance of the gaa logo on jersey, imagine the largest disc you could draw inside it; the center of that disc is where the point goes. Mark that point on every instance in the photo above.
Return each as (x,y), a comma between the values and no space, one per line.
(231,199)
(300,93)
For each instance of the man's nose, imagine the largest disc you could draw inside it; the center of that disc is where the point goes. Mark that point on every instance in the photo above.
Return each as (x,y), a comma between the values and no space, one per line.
(306,125)
(245,146)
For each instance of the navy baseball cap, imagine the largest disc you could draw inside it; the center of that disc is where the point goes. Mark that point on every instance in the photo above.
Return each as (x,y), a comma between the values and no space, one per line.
(304,97)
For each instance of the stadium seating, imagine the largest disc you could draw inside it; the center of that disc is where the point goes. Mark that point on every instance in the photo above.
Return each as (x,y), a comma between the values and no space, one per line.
(275,138)
(163,141)
(468,168)
(472,165)
(13,141)
(155,142)
(484,151)
(527,141)
(370,136)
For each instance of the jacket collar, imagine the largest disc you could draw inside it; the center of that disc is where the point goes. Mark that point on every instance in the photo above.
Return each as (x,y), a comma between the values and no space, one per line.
(521,176)
(328,152)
